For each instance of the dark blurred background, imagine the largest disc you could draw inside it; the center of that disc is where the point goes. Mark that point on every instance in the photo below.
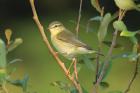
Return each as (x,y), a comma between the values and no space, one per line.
(11,9)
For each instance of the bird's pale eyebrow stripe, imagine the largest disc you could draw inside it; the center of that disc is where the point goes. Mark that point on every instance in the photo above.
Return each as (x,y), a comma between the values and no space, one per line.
(56,25)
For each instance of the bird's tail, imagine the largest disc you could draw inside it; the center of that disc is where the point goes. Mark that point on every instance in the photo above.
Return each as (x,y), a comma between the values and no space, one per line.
(97,53)
(100,54)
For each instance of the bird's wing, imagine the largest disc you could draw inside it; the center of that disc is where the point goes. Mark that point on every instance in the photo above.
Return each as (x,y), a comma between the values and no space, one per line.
(69,37)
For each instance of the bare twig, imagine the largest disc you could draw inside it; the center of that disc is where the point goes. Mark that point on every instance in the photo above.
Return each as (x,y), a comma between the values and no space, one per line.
(45,39)
(79,18)
(97,65)
(134,77)
(106,63)
(99,50)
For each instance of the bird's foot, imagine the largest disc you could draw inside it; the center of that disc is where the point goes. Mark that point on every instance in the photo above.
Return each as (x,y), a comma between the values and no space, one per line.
(68,72)
(56,53)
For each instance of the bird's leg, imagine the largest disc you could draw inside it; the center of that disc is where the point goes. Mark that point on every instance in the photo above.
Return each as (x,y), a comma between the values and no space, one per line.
(56,53)
(75,68)
(70,67)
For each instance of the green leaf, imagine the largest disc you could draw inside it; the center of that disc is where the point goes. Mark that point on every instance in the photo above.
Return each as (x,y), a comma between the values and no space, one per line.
(95,4)
(21,83)
(11,71)
(96,18)
(114,16)
(127,33)
(3,76)
(15,44)
(3,61)
(107,71)
(104,85)
(14,61)
(62,85)
(102,32)
(115,91)
(88,63)
(134,40)
(119,25)
(133,56)
(73,90)
(130,56)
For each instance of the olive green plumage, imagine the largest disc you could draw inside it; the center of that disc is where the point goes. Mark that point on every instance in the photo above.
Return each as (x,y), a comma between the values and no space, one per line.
(66,42)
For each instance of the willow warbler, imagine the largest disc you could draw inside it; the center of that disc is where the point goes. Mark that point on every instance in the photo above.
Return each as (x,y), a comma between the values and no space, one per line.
(66,43)
(127,5)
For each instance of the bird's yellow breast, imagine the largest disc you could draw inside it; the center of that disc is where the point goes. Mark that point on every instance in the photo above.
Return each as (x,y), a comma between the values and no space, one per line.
(63,47)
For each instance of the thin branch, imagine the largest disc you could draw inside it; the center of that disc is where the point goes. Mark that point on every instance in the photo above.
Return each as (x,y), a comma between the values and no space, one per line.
(99,50)
(134,77)
(97,65)
(79,18)
(45,39)
(106,63)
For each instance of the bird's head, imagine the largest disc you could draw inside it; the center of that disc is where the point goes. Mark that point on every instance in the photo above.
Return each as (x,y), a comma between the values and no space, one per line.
(56,27)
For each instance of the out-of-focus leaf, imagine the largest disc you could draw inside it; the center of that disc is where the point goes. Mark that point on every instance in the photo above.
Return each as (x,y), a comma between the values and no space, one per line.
(88,63)
(95,4)
(130,56)
(61,85)
(102,32)
(114,16)
(15,44)
(21,83)
(96,18)
(104,85)
(133,56)
(73,90)
(108,43)
(134,40)
(119,25)
(115,91)
(14,61)
(12,71)
(127,33)
(3,75)
(135,48)
(3,61)
(123,55)
(8,34)
(107,71)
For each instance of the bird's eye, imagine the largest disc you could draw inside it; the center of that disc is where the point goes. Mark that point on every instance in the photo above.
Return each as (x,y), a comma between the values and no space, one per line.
(56,26)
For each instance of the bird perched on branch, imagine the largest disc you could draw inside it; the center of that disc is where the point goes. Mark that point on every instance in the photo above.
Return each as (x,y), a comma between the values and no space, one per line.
(66,42)
(127,5)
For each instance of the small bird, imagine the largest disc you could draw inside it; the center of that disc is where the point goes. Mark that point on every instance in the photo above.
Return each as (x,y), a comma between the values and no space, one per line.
(66,43)
(127,5)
